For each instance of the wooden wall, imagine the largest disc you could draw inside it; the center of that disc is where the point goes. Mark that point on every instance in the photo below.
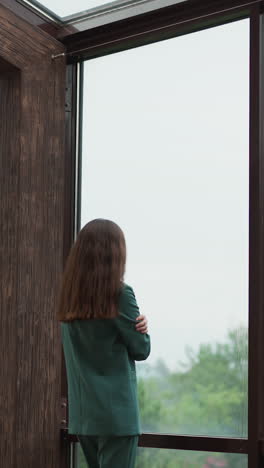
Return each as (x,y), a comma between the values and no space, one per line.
(32,118)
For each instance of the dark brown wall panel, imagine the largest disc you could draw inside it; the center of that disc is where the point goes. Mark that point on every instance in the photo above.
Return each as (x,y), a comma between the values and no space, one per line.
(36,18)
(32,119)
(32,16)
(9,125)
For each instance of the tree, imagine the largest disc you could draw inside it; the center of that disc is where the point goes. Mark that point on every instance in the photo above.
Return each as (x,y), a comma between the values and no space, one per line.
(207,396)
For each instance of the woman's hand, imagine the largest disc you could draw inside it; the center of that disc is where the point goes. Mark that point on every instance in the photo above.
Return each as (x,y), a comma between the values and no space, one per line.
(142,325)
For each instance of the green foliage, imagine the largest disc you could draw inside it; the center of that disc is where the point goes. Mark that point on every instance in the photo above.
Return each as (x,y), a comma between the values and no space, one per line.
(206,396)
(160,458)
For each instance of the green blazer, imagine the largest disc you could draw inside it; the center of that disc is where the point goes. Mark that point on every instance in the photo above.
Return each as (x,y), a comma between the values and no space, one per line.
(100,357)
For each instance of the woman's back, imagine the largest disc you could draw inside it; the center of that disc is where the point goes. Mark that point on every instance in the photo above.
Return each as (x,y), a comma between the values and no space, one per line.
(100,359)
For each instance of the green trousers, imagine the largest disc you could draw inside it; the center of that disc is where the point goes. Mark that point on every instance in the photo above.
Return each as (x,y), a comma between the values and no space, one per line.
(109,452)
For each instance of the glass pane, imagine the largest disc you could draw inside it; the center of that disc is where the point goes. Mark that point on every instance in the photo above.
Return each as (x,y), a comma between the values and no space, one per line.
(165,155)
(161,458)
(65,9)
(68,8)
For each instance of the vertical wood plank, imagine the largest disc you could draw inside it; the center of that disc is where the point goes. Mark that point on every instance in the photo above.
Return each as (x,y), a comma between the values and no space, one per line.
(32,120)
(9,241)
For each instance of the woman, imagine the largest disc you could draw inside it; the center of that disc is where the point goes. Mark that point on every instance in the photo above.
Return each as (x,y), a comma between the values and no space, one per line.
(103,334)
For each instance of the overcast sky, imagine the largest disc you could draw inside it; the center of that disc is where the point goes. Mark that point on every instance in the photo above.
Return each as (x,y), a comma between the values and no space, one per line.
(165,155)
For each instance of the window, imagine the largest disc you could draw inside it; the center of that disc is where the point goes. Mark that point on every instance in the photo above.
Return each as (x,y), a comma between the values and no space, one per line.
(166,156)
(172,151)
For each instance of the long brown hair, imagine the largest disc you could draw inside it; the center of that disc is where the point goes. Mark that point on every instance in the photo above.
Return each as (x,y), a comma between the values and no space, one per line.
(94,273)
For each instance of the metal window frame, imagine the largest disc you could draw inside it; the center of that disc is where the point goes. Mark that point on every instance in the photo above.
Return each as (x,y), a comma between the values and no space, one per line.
(168,22)
(158,26)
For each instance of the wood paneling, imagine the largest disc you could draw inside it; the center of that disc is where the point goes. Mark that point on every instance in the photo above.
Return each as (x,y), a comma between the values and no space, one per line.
(9,233)
(32,119)
(32,16)
(23,45)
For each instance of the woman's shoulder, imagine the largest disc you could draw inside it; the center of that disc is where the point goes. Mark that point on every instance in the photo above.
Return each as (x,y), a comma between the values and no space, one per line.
(126,289)
(127,294)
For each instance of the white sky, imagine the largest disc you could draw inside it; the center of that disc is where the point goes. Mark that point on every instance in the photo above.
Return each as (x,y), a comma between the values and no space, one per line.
(165,155)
